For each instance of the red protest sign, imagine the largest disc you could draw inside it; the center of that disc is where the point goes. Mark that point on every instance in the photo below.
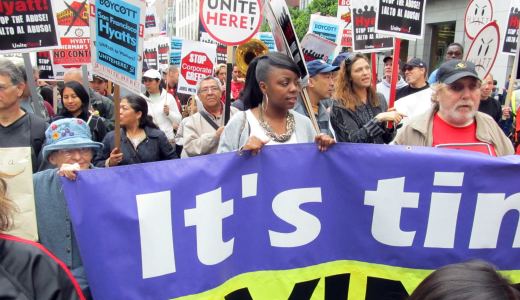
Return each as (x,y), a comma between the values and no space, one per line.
(196,65)
(231,22)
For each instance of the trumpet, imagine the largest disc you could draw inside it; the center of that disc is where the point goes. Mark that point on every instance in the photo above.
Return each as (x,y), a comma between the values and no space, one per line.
(246,52)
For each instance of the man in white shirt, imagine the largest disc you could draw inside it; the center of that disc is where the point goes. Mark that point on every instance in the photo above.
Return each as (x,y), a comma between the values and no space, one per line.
(161,105)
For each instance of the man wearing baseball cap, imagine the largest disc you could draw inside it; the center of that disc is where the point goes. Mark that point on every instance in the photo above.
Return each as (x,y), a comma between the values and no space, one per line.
(415,73)
(383,87)
(320,89)
(454,120)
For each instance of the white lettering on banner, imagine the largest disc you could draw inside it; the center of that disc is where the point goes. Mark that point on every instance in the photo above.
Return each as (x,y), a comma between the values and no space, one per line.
(155,230)
(387,201)
(286,206)
(490,211)
(207,217)
(444,209)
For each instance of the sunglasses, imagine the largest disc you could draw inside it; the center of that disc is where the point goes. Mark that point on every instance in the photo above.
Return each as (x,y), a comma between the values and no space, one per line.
(459,86)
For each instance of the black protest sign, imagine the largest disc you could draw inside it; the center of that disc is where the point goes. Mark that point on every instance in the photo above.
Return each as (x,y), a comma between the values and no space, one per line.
(401,18)
(365,38)
(511,35)
(44,63)
(26,26)
(279,19)
(151,58)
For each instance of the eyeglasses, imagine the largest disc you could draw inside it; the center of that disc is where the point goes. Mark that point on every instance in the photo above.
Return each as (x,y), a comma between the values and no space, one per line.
(208,89)
(68,153)
(408,68)
(3,88)
(458,87)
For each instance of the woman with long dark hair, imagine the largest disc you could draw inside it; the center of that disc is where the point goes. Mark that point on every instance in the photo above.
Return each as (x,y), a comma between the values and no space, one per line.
(359,114)
(75,101)
(141,140)
(271,90)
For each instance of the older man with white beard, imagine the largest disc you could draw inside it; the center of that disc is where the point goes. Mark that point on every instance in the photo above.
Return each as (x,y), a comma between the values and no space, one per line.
(454,120)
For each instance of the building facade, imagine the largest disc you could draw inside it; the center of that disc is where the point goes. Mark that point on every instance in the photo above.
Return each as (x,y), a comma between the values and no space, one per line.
(187,19)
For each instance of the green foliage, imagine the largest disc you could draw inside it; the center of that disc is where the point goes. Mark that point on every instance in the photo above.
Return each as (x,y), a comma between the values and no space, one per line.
(301,18)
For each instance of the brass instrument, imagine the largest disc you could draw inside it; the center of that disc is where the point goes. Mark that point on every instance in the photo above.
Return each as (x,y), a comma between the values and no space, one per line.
(246,52)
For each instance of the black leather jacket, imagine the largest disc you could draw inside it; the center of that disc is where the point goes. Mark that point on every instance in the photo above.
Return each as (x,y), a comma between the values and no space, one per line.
(29,271)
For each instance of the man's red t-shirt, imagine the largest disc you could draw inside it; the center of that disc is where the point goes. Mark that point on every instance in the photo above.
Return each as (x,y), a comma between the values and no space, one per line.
(465,138)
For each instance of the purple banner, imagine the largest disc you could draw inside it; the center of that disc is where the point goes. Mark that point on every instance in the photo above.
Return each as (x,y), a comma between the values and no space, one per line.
(169,229)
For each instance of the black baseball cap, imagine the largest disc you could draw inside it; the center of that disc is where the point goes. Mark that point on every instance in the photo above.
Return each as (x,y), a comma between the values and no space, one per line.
(455,69)
(415,63)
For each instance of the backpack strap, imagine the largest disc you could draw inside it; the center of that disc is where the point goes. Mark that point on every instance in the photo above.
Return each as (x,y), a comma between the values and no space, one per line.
(206,117)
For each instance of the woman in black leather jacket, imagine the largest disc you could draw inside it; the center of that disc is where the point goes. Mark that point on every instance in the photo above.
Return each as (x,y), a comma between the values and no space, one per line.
(27,269)
(141,140)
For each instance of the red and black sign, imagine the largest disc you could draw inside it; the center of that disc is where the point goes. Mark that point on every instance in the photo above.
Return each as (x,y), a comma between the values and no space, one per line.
(44,63)
(26,26)
(511,35)
(364,35)
(401,18)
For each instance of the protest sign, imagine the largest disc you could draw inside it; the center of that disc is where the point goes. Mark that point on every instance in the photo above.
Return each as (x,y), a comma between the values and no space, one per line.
(151,26)
(478,14)
(150,53)
(326,27)
(276,227)
(74,32)
(268,39)
(365,38)
(175,51)
(231,22)
(511,34)
(484,49)
(197,61)
(117,41)
(345,15)
(279,19)
(44,64)
(317,47)
(163,52)
(221,48)
(27,26)
(16,171)
(401,18)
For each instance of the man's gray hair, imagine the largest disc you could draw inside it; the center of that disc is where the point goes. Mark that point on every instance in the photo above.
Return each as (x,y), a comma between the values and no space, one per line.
(209,78)
(9,69)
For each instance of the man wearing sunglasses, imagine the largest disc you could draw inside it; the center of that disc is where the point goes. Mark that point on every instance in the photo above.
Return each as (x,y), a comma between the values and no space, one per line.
(415,72)
(454,51)
(454,120)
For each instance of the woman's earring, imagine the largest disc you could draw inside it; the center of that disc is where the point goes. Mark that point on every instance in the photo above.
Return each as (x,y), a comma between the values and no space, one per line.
(265,103)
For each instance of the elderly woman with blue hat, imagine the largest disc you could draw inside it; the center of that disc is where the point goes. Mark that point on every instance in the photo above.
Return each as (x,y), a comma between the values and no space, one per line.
(69,148)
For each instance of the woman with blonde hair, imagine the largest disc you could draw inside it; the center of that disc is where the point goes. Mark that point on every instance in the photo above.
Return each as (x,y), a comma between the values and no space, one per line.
(359,114)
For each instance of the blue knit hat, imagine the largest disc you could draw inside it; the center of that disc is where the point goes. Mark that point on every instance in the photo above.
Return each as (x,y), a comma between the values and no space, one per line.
(68,133)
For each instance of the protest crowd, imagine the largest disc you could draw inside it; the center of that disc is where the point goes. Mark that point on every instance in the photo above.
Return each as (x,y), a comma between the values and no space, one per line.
(70,126)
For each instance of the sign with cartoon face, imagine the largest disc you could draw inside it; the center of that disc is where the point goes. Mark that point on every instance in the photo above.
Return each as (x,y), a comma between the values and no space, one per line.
(478,14)
(484,49)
